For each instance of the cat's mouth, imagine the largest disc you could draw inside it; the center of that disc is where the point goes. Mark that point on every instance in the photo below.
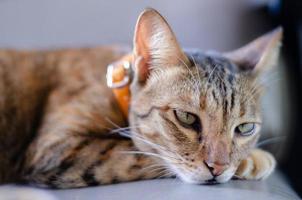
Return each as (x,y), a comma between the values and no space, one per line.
(212,181)
(203,176)
(204,181)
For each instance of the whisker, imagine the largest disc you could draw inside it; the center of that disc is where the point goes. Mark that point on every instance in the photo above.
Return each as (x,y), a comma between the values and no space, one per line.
(156,146)
(143,140)
(148,154)
(199,79)
(260,83)
(160,169)
(252,94)
(165,174)
(153,166)
(167,154)
(190,71)
(271,140)
(125,128)
(129,135)
(112,123)
(210,75)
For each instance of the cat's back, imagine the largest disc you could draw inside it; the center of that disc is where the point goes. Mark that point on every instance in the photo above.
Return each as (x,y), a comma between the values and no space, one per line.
(31,82)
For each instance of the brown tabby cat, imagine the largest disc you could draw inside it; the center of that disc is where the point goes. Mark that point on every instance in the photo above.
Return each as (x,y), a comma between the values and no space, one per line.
(192,115)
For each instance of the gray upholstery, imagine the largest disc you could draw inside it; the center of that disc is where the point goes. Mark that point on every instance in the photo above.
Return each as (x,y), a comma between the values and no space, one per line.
(274,188)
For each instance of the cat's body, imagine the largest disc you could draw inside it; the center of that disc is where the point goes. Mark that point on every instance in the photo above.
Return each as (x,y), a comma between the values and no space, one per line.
(57,116)
(65,89)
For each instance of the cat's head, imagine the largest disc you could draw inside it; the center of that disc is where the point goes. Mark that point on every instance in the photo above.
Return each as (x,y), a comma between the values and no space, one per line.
(197,113)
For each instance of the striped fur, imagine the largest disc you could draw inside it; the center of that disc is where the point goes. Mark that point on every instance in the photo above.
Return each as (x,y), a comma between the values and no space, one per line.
(61,126)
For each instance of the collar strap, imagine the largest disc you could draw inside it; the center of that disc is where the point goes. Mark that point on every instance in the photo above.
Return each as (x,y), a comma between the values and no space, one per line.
(119,76)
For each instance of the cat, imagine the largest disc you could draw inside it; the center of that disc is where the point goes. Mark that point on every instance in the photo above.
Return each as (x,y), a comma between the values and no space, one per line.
(192,115)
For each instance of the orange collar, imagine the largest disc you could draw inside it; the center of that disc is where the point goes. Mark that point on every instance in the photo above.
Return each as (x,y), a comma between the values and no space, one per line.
(119,77)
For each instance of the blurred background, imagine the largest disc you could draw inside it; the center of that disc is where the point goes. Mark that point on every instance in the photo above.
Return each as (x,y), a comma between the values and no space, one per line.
(208,25)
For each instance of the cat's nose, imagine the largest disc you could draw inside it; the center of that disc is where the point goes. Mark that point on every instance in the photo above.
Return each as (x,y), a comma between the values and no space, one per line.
(216,169)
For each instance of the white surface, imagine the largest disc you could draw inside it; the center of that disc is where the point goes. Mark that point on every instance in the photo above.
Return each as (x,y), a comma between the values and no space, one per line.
(274,188)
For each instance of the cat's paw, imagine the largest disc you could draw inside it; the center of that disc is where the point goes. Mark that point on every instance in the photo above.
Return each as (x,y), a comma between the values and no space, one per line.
(258,165)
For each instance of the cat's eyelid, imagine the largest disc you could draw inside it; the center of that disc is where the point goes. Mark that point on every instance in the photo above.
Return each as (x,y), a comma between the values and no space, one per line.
(246,121)
(184,106)
(184,110)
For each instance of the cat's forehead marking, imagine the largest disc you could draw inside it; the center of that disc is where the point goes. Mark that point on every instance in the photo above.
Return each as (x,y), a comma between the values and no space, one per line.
(219,79)
(221,89)
(218,93)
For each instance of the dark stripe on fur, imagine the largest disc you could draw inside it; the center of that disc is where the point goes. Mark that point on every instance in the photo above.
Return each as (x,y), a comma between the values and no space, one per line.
(232,100)
(89,176)
(108,148)
(225,107)
(134,167)
(51,182)
(150,111)
(215,97)
(70,159)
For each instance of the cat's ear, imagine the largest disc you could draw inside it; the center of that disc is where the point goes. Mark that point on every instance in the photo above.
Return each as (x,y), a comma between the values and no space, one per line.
(155,44)
(259,55)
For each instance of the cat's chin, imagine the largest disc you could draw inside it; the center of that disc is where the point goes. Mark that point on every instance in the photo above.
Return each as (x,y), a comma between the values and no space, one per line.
(190,178)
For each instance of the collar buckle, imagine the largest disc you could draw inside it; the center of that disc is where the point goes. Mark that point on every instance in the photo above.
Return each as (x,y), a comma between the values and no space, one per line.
(119,74)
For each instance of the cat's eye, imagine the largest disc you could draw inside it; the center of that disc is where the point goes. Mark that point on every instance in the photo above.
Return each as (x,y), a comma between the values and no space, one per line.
(187,119)
(245,129)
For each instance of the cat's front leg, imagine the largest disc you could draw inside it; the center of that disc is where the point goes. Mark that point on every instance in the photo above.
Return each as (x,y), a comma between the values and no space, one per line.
(258,165)
(72,149)
(86,161)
